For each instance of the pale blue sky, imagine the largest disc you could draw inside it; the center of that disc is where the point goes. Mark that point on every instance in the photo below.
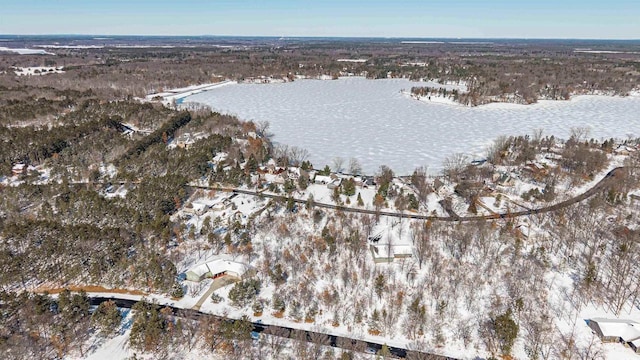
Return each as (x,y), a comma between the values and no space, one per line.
(398,18)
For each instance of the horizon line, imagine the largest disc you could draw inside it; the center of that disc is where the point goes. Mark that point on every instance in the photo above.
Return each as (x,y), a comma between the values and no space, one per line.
(327,36)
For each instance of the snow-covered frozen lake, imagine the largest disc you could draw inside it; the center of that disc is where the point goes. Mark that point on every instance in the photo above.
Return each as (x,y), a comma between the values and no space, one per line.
(374,122)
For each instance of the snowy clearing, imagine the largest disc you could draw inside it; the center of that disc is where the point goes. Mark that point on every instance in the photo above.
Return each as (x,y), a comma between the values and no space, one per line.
(23,51)
(38,70)
(353,60)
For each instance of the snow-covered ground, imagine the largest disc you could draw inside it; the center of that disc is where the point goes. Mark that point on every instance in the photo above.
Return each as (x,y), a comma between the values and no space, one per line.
(38,70)
(171,95)
(374,122)
(23,51)
(353,60)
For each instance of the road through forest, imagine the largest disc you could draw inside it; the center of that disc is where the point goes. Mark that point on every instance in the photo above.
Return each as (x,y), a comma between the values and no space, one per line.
(603,183)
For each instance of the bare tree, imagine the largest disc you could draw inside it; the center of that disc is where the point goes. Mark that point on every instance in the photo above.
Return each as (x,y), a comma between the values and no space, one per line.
(262,129)
(281,153)
(579,133)
(420,236)
(338,164)
(297,155)
(537,136)
(454,165)
(419,181)
(276,339)
(538,335)
(301,345)
(211,331)
(319,341)
(190,330)
(354,167)
(418,350)
(496,150)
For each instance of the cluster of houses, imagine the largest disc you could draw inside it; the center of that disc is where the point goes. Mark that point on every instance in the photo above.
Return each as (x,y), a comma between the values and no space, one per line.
(623,331)
(623,149)
(271,173)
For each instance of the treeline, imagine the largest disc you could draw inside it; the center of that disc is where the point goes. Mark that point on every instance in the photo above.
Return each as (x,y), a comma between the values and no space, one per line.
(514,72)
(32,145)
(35,252)
(39,326)
(89,134)
(160,135)
(35,326)
(83,236)
(435,91)
(30,104)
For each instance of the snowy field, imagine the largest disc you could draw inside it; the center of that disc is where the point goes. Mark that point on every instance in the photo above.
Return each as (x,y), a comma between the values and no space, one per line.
(38,70)
(374,122)
(23,51)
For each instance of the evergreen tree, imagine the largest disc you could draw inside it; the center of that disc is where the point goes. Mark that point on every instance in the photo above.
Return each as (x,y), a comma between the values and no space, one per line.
(413,202)
(379,284)
(289,186)
(177,291)
(349,187)
(290,203)
(374,322)
(306,165)
(244,292)
(106,318)
(335,196)
(505,330)
(303,182)
(384,352)
(252,164)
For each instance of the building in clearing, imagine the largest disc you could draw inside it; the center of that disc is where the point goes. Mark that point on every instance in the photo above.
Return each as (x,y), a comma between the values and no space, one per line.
(202,205)
(635,345)
(402,251)
(384,253)
(217,268)
(381,254)
(626,332)
(18,169)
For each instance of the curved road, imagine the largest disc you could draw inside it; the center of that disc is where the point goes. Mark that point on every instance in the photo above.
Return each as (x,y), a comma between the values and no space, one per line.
(609,177)
(334,341)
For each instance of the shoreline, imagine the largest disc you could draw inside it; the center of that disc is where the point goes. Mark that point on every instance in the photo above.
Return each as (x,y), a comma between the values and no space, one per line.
(447,128)
(202,88)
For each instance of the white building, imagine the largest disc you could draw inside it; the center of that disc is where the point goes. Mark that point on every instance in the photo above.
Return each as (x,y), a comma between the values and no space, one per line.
(624,331)
(215,269)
